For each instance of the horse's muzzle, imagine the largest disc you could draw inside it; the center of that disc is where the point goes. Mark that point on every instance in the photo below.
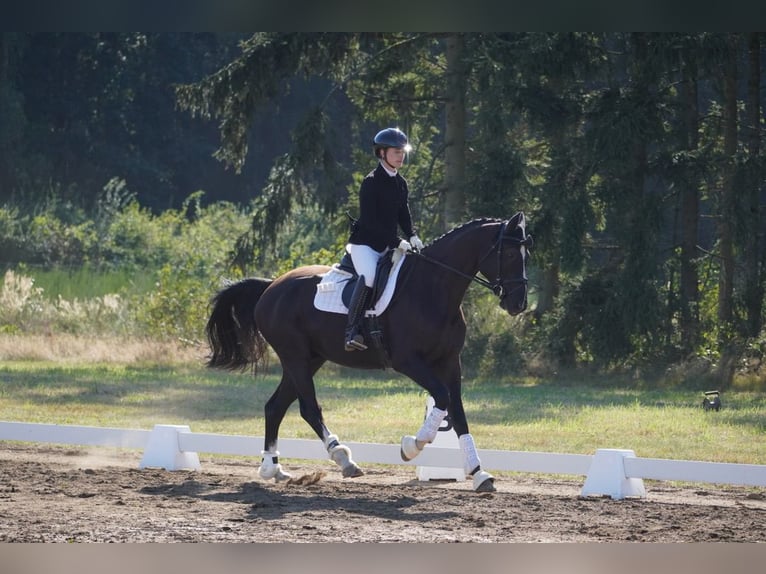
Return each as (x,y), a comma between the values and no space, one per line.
(517,310)
(514,306)
(514,301)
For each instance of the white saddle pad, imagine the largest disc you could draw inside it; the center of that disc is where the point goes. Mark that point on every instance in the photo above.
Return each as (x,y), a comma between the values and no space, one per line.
(330,290)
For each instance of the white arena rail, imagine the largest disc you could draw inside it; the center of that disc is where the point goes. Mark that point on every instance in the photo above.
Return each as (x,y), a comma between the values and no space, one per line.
(614,472)
(80,435)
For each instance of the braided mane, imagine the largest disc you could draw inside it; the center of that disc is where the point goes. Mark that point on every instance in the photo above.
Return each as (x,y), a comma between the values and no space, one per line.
(463,226)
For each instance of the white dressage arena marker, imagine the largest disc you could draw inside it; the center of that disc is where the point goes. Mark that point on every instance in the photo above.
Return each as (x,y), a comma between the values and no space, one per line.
(607,475)
(164,451)
(445,438)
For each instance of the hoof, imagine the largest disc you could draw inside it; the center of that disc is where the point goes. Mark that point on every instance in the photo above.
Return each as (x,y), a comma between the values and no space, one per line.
(483,482)
(411,447)
(341,455)
(282,476)
(275,472)
(352,471)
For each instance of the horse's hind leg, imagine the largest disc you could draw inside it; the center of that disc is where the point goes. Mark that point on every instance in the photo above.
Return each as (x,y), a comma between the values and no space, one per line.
(339,453)
(312,414)
(275,410)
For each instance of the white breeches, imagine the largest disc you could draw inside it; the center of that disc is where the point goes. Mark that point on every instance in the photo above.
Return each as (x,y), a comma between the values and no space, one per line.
(365,260)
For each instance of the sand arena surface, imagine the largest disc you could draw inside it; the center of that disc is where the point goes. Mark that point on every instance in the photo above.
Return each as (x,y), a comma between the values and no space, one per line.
(72,494)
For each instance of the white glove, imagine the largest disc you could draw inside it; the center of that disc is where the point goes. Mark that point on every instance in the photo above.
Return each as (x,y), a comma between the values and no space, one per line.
(404,245)
(416,242)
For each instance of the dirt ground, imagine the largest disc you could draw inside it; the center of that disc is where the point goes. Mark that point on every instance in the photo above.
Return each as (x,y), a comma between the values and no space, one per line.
(73,494)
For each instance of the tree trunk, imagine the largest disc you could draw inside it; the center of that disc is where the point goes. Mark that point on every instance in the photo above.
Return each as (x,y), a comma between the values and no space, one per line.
(639,167)
(689,320)
(726,217)
(753,241)
(454,132)
(549,288)
(3,57)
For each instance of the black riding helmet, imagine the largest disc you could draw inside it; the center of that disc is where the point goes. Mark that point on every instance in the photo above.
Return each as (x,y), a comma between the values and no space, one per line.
(389,137)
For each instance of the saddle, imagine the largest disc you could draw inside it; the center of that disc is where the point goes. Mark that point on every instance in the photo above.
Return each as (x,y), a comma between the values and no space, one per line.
(383,270)
(372,328)
(334,290)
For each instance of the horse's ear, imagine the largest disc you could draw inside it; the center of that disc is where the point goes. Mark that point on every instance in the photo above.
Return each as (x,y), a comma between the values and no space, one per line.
(517,220)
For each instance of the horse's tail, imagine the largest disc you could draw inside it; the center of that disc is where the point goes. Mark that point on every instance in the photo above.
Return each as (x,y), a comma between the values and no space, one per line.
(234,339)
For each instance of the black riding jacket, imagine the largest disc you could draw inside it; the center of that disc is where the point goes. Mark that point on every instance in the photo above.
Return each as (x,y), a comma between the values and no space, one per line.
(383,205)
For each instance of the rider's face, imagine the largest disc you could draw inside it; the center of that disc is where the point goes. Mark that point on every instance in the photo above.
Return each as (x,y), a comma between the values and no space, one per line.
(394,157)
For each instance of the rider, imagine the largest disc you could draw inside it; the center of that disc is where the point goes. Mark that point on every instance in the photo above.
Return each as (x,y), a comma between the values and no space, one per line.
(383,205)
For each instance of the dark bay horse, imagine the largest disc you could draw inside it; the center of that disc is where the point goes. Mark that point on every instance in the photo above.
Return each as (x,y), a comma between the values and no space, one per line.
(423,325)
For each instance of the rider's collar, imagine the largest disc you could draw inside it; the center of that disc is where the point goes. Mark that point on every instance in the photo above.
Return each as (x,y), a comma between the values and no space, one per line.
(388,171)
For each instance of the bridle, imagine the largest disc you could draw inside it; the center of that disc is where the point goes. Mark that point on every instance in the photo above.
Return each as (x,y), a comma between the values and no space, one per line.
(498,286)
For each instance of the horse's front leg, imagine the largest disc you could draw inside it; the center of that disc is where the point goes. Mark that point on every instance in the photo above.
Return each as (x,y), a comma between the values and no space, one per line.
(420,372)
(482,480)
(413,445)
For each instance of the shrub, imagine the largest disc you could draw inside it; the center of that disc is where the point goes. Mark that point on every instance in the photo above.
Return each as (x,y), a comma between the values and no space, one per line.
(491,348)
(182,260)
(177,307)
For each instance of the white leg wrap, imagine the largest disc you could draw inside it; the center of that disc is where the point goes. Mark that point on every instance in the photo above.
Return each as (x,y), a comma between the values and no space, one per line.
(330,441)
(427,432)
(470,455)
(270,467)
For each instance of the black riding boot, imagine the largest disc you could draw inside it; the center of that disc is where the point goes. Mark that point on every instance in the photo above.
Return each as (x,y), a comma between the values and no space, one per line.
(356,309)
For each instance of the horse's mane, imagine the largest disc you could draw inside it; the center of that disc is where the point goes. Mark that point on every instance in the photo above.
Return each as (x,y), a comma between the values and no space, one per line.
(468,224)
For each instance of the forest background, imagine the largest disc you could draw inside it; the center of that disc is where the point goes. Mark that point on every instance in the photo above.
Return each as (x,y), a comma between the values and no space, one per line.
(139,172)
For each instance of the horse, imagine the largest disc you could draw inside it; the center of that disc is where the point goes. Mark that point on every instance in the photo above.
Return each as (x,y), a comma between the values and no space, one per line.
(424,327)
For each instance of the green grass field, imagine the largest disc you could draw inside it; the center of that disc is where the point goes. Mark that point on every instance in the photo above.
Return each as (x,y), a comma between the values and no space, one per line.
(526,415)
(85,283)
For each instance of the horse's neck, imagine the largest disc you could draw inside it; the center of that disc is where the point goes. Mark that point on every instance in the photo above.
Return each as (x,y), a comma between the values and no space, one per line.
(464,248)
(461,252)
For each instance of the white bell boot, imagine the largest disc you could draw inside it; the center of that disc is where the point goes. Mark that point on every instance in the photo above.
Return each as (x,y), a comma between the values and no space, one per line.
(270,467)
(341,455)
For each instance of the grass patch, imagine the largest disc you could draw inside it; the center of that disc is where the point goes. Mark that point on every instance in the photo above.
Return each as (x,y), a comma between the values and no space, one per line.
(85,283)
(528,414)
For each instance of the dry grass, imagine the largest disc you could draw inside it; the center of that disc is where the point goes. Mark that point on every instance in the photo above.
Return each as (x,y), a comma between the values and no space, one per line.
(79,349)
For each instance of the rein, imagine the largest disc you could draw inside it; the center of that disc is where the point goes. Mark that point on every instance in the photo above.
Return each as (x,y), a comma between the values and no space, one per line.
(496,286)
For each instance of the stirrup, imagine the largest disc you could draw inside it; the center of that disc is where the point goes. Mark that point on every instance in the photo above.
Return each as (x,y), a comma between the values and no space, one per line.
(356,343)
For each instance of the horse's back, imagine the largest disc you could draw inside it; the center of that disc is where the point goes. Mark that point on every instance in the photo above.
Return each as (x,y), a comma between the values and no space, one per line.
(291,292)
(288,320)
(302,273)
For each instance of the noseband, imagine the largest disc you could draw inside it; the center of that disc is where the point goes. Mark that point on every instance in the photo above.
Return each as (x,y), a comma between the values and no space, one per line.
(498,286)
